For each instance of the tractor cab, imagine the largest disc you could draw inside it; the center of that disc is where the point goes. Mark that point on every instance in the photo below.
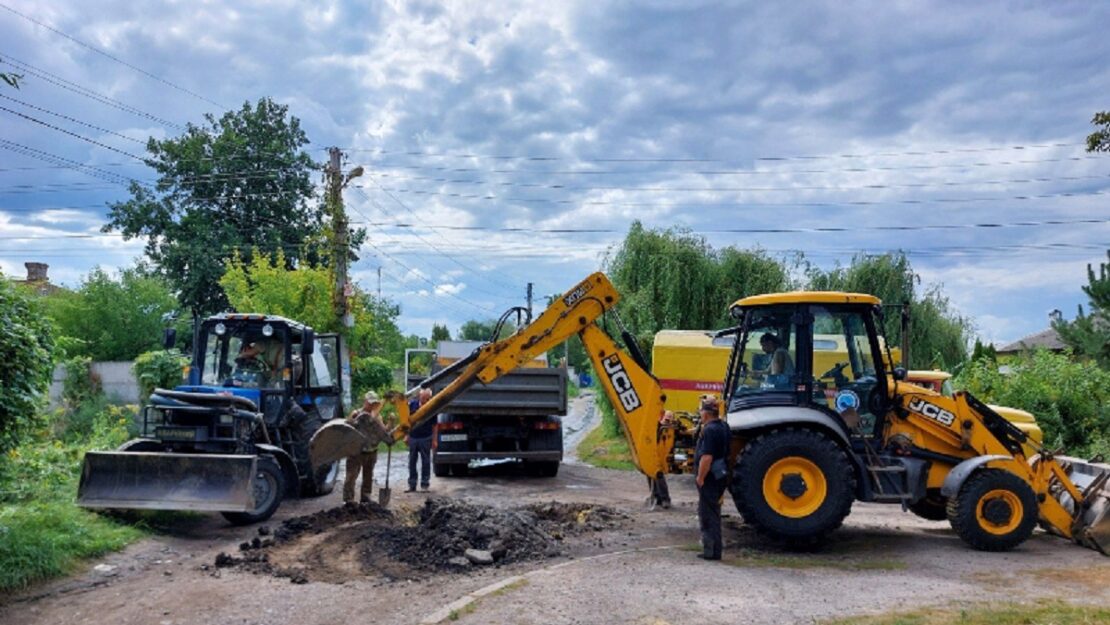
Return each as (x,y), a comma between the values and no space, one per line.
(817,350)
(268,360)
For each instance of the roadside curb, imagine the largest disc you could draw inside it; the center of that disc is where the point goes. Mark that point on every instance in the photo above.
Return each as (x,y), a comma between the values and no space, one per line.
(466,601)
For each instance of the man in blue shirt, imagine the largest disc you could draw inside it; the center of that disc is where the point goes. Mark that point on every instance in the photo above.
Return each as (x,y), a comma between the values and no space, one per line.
(419,441)
(712,450)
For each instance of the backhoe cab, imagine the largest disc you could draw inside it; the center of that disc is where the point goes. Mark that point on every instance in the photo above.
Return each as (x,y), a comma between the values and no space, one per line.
(820,418)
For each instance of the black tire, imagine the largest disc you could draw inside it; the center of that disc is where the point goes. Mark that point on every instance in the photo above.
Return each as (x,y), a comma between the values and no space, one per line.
(269,487)
(322,482)
(441,470)
(931,507)
(997,493)
(815,515)
(459,470)
(544,468)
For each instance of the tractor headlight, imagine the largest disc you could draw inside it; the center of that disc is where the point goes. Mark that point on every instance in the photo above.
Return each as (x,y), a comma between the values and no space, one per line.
(267,330)
(221,329)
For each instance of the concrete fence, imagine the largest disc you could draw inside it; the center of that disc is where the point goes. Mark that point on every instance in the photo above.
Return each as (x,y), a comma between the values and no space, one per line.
(116,378)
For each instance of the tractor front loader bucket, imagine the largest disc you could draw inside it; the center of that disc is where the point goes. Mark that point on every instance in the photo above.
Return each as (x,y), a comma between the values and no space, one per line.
(1092,523)
(335,441)
(167,481)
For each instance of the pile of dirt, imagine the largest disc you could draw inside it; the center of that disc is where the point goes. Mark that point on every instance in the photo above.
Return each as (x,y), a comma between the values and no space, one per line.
(447,528)
(444,535)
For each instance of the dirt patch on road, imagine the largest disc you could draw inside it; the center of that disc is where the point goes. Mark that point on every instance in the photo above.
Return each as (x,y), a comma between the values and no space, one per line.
(442,536)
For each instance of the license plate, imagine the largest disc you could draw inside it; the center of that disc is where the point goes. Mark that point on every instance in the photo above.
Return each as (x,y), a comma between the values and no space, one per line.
(451,438)
(176,434)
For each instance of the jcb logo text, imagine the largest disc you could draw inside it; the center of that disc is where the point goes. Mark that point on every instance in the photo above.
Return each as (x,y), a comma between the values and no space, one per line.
(932,411)
(622,384)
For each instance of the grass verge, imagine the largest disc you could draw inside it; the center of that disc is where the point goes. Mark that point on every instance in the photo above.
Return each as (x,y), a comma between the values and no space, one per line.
(601,449)
(39,540)
(1040,613)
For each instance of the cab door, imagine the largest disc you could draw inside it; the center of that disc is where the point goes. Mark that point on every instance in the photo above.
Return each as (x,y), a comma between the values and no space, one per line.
(325,376)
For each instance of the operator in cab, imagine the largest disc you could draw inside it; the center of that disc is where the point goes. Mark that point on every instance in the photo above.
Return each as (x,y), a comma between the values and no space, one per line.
(780,366)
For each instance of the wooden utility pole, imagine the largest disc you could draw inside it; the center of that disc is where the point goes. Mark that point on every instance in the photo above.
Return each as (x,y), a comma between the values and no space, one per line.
(529,303)
(334,178)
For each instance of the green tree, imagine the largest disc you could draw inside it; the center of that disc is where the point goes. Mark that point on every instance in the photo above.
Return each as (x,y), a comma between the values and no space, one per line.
(27,354)
(232,184)
(1099,140)
(673,279)
(440,333)
(474,330)
(264,283)
(91,317)
(1089,334)
(938,334)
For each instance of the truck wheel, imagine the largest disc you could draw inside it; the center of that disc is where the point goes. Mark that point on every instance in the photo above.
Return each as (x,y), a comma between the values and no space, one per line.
(931,507)
(544,469)
(793,484)
(268,487)
(441,470)
(995,510)
(322,482)
(459,470)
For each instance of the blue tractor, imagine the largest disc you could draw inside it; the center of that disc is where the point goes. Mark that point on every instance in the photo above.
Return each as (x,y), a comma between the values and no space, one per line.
(234,438)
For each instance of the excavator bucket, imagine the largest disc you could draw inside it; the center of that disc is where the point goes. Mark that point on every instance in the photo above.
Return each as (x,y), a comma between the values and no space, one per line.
(167,481)
(335,441)
(1092,524)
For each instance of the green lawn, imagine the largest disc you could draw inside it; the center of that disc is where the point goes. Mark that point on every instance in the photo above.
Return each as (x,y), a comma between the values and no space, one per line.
(1041,613)
(602,449)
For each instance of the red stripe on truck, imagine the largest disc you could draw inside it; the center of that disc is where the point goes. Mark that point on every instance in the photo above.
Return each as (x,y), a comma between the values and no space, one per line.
(692,385)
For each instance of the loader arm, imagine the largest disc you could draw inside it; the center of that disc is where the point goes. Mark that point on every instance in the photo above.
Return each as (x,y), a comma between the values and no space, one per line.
(635,394)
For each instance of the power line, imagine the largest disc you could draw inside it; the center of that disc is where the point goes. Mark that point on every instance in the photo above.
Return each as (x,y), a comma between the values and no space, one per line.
(511,157)
(42,155)
(112,57)
(74,120)
(58,81)
(72,134)
(737,204)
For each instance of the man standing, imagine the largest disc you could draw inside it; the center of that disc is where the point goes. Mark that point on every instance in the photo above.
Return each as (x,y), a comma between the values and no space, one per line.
(711,461)
(368,422)
(420,444)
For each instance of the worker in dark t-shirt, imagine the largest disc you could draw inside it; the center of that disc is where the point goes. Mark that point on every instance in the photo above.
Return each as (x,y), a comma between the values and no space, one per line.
(419,441)
(712,449)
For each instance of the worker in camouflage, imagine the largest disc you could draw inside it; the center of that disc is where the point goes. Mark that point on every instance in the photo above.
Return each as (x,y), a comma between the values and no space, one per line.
(368,422)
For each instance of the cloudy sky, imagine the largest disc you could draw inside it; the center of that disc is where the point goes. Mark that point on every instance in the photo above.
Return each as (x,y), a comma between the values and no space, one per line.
(521,120)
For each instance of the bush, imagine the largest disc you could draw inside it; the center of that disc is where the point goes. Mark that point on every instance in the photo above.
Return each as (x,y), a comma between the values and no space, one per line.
(372,373)
(158,369)
(27,354)
(1070,400)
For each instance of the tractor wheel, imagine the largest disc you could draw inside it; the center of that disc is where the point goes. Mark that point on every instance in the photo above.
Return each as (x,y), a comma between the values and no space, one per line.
(793,484)
(268,487)
(931,507)
(995,510)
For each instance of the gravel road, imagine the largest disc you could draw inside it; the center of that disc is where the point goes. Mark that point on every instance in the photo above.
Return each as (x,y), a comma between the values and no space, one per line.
(642,571)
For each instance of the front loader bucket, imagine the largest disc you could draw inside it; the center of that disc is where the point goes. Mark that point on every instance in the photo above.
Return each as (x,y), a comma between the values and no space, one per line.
(166,481)
(335,441)
(1092,524)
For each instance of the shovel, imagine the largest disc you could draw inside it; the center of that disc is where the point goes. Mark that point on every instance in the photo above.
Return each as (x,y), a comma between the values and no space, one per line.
(384,492)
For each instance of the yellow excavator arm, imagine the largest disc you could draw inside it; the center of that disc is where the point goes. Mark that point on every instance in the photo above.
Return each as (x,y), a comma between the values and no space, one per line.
(635,394)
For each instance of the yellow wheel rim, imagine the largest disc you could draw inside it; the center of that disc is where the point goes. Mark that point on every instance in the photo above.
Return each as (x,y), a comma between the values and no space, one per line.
(998,498)
(794,487)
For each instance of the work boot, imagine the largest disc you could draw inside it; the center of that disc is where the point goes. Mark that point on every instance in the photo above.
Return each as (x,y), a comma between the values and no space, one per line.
(707,556)
(425,487)
(410,489)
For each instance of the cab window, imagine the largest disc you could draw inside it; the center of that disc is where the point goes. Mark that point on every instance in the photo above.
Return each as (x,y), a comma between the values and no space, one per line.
(768,353)
(844,365)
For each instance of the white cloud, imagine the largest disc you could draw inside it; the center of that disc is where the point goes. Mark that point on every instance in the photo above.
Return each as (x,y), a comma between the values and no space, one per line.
(450,289)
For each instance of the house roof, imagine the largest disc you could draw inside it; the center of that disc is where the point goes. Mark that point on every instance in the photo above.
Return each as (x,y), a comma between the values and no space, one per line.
(1045,339)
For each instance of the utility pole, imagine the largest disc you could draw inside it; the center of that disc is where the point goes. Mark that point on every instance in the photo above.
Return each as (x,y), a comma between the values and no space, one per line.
(529,303)
(336,182)
(379,283)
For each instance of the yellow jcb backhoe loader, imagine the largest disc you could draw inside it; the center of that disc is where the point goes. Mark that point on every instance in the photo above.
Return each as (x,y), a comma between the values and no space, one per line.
(807,443)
